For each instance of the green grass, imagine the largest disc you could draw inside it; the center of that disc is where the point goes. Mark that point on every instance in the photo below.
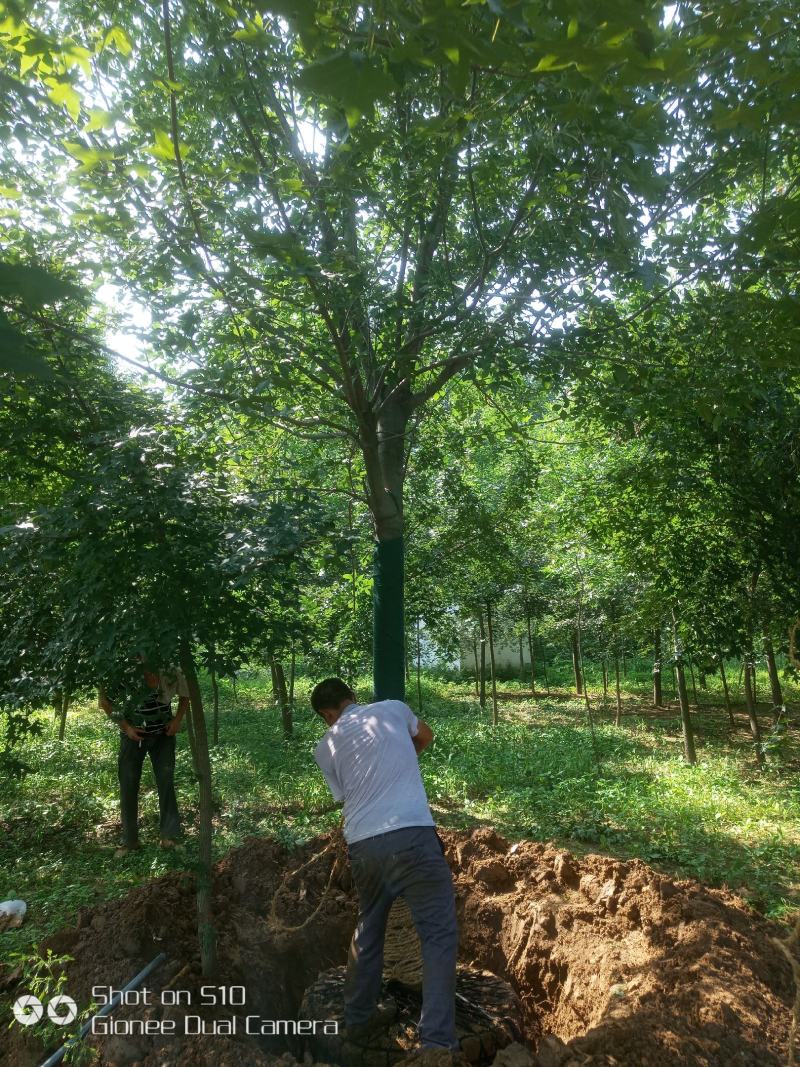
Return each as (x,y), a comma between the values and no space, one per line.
(534,775)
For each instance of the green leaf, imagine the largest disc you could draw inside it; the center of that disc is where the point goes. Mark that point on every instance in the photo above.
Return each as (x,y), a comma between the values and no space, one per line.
(351,79)
(26,62)
(551,62)
(65,96)
(9,193)
(163,147)
(117,37)
(99,120)
(88,157)
(33,285)
(572,28)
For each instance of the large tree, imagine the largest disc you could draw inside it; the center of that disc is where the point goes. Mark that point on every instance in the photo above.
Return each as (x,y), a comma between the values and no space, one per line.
(332,209)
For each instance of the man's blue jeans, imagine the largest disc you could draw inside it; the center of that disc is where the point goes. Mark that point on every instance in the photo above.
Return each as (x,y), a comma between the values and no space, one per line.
(410,863)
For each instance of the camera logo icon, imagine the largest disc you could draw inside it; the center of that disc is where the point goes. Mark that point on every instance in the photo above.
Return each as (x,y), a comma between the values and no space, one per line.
(28,1010)
(62,1010)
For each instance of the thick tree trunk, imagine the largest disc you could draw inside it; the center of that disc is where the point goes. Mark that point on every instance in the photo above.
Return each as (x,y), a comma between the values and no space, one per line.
(576,664)
(533,658)
(683,698)
(388,647)
(774,680)
(618,719)
(281,696)
(658,696)
(482,695)
(383,449)
(750,703)
(215,695)
(725,690)
(495,715)
(205,921)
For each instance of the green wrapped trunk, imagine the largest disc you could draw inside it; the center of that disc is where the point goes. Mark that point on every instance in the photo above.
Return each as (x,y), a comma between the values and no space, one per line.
(388,632)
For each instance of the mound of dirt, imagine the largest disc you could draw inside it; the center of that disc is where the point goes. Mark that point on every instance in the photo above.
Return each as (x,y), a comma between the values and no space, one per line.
(612,962)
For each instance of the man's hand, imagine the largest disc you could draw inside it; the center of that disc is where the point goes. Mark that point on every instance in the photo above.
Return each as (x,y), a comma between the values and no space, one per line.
(172,726)
(131,731)
(423,737)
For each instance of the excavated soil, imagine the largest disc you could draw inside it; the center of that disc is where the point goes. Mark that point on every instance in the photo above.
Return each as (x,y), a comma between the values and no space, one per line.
(612,962)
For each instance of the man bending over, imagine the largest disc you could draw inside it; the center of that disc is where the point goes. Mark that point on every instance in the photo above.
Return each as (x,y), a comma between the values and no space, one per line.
(368,756)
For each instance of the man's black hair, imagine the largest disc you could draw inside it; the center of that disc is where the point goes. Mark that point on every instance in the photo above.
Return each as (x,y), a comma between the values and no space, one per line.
(329,693)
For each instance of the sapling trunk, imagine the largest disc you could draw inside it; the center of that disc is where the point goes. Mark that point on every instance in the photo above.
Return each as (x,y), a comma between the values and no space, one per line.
(495,714)
(750,703)
(683,698)
(694,686)
(725,690)
(281,696)
(521,659)
(192,744)
(419,667)
(533,658)
(205,921)
(576,665)
(292,671)
(477,668)
(618,719)
(543,658)
(482,694)
(215,695)
(774,680)
(62,722)
(658,696)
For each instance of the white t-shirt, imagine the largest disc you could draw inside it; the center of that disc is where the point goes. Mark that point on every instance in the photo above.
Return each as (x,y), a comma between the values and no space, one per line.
(369,761)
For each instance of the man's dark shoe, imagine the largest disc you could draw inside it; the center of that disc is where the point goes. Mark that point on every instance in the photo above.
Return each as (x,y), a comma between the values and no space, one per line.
(381,1019)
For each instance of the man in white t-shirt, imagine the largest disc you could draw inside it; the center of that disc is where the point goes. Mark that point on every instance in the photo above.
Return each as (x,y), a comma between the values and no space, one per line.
(368,756)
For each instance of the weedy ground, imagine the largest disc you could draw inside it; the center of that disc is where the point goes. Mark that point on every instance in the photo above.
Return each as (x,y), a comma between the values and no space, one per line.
(539,774)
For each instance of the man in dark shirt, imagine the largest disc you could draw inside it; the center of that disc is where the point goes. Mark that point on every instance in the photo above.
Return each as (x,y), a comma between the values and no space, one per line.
(149,730)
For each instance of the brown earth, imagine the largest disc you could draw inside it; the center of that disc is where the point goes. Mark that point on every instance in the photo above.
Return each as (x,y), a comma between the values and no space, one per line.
(613,963)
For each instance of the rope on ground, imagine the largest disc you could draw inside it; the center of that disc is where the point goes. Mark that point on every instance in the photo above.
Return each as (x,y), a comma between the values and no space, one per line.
(788,947)
(279,925)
